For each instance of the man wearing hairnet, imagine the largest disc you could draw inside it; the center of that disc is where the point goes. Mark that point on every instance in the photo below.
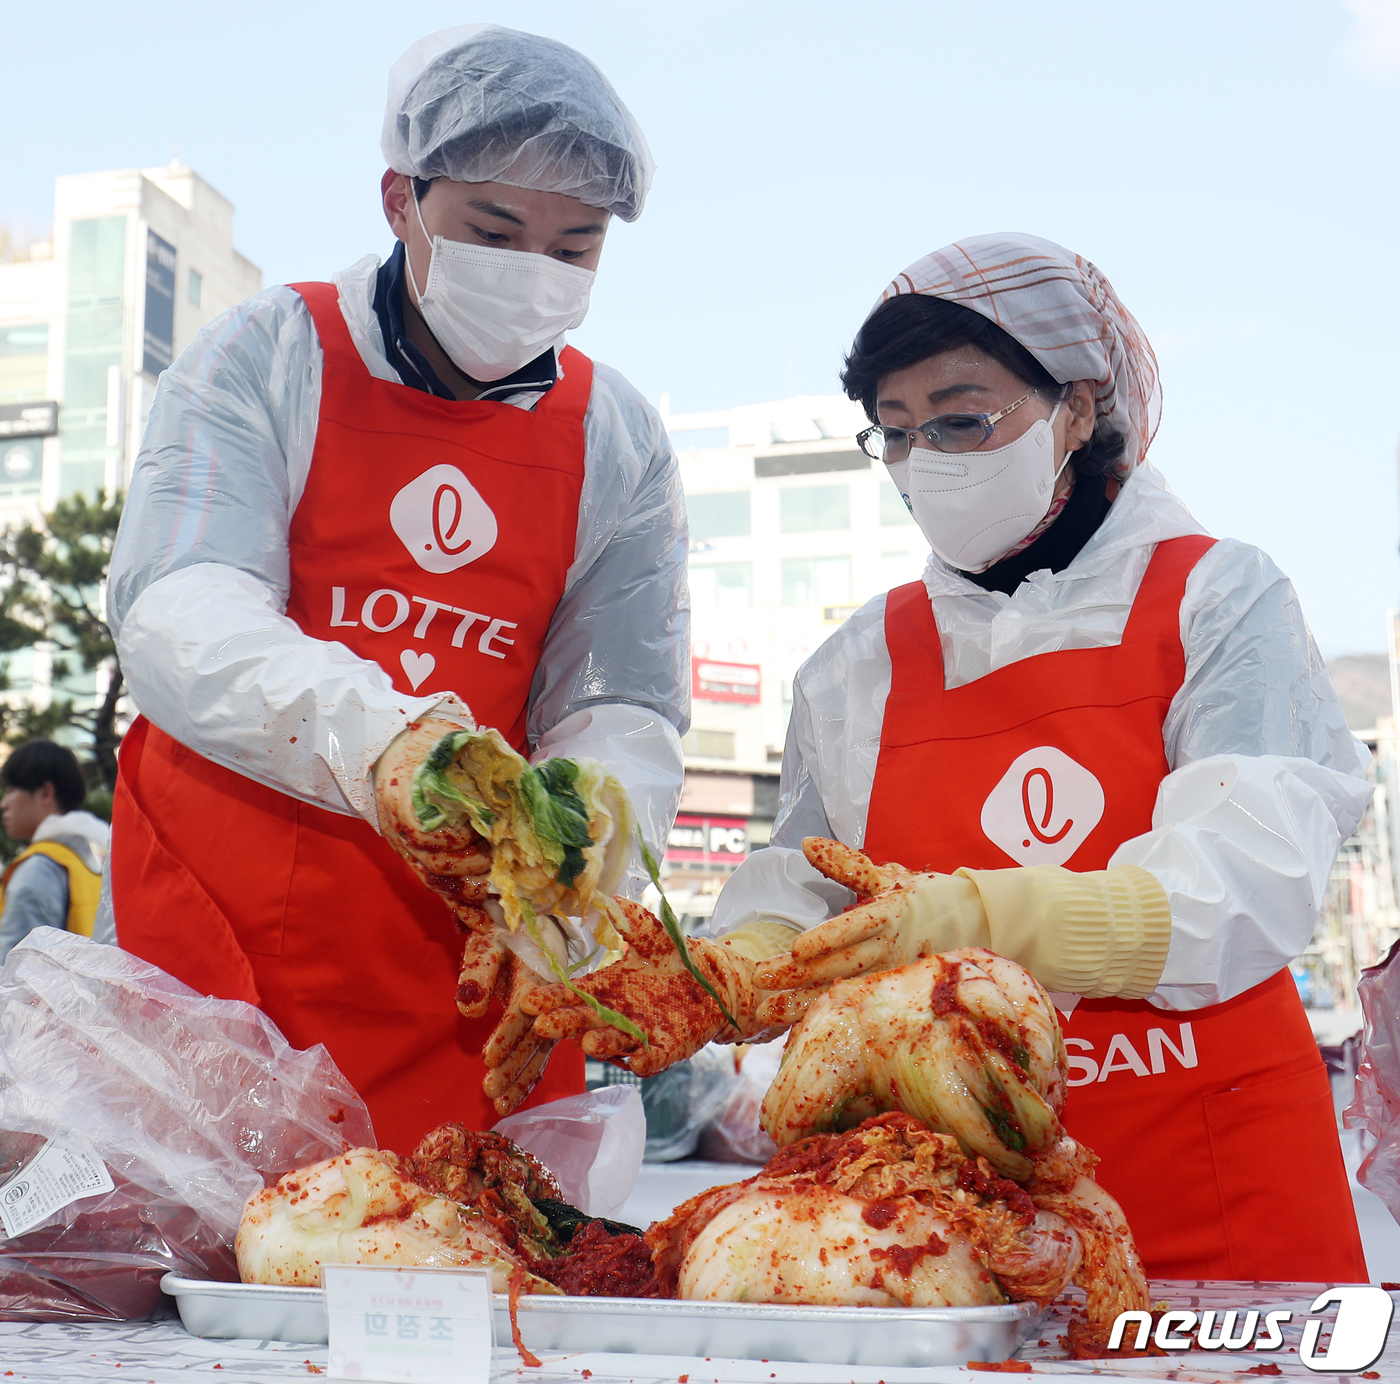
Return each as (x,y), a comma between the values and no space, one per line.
(365,513)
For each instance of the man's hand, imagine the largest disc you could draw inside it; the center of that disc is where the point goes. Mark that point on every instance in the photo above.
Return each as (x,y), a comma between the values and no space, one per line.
(651,987)
(452,861)
(515,1056)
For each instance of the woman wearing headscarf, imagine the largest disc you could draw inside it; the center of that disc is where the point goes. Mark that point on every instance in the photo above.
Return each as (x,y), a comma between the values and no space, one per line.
(1107,742)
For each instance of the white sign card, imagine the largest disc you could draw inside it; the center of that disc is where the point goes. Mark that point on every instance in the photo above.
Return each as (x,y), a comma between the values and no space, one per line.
(409,1326)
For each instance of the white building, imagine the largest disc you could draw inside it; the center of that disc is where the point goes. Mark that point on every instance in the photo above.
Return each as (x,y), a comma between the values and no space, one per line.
(138,260)
(792,528)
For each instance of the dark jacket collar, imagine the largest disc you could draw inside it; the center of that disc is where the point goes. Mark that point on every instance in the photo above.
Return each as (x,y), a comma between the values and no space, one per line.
(412,365)
(1086,508)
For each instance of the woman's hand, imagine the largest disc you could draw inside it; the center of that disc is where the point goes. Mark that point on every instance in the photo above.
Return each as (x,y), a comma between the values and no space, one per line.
(1087,932)
(900,917)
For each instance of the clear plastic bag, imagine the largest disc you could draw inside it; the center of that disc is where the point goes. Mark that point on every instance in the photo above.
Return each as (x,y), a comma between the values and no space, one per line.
(1376,1106)
(683,1099)
(734,1135)
(192,1104)
(591,1143)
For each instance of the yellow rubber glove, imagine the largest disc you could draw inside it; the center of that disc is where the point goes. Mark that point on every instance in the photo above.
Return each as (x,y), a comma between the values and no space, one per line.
(652,988)
(1095,933)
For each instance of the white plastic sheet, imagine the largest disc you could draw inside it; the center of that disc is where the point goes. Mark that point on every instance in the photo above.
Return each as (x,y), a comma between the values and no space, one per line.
(1376,1105)
(192,1103)
(591,1143)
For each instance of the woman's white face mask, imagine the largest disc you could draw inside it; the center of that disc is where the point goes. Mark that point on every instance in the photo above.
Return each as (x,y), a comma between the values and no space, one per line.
(495,310)
(974,507)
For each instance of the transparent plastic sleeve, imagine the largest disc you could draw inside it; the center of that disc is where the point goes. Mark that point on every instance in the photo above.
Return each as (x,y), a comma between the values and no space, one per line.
(735,1135)
(591,1143)
(1376,1106)
(190,1104)
(681,1101)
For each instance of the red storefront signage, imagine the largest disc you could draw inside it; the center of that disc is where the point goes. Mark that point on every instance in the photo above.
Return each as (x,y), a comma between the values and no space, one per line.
(711,840)
(712,681)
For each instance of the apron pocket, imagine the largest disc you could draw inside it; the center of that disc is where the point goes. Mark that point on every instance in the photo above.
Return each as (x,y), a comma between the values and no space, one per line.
(1283,1185)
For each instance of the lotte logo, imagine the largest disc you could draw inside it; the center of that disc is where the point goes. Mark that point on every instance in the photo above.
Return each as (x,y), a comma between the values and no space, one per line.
(1043,808)
(442,520)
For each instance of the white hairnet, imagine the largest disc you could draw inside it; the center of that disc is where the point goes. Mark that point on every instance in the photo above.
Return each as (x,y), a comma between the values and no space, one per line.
(484,104)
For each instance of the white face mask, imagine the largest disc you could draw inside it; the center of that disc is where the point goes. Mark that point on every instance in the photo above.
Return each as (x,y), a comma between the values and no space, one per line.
(974,507)
(494,310)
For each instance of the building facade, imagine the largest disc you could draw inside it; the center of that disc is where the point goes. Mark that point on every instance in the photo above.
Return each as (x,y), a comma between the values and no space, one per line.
(137,262)
(792,528)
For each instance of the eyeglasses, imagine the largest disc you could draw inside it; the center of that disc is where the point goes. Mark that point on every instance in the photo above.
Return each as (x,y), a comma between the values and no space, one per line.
(949,432)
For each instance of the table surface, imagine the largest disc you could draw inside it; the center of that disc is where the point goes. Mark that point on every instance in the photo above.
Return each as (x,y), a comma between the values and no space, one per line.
(164,1353)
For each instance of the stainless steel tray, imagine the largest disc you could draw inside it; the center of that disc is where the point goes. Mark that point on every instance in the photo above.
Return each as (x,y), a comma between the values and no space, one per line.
(892,1336)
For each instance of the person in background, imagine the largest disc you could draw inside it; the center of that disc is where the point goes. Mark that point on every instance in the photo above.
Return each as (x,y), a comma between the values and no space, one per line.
(55,881)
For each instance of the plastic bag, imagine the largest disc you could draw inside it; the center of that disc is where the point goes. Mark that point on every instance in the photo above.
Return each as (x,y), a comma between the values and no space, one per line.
(591,1143)
(683,1099)
(109,1067)
(1376,1105)
(734,1135)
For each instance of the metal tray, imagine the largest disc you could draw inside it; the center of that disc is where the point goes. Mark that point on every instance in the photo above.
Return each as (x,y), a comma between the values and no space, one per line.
(893,1336)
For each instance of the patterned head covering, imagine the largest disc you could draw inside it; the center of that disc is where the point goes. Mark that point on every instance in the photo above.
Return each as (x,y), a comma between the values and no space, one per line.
(1062,310)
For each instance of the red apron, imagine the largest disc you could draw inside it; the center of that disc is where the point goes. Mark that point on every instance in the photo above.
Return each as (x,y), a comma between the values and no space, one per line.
(247,893)
(1215,1126)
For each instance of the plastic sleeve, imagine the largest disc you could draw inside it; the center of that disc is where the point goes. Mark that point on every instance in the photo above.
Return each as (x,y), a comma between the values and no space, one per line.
(622,628)
(1266,784)
(1243,847)
(227,447)
(777,885)
(213,662)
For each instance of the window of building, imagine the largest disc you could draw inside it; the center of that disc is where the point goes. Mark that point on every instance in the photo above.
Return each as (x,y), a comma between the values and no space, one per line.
(810,508)
(18,668)
(721,586)
(893,510)
(721,515)
(816,581)
(24,363)
(685,438)
(96,276)
(196,286)
(898,568)
(709,744)
(805,463)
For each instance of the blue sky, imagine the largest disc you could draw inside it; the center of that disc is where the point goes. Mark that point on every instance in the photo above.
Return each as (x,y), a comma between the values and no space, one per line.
(1231,166)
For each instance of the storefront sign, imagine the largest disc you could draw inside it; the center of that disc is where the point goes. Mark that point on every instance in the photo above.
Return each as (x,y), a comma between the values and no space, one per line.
(29,420)
(714,840)
(409,1326)
(711,681)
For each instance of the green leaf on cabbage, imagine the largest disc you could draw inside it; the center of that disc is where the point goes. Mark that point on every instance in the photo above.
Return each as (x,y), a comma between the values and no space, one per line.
(673,931)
